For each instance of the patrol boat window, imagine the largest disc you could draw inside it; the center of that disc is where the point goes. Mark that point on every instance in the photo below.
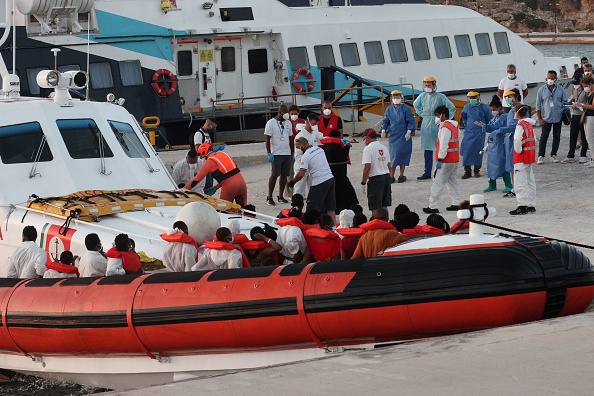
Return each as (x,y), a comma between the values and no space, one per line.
(24,143)
(100,75)
(83,139)
(298,57)
(463,45)
(324,55)
(420,49)
(397,51)
(349,54)
(184,63)
(32,79)
(442,47)
(128,139)
(374,52)
(228,59)
(501,43)
(130,73)
(483,43)
(258,61)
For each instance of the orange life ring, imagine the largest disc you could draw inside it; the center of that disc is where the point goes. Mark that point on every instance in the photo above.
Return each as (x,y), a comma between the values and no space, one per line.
(164,82)
(297,85)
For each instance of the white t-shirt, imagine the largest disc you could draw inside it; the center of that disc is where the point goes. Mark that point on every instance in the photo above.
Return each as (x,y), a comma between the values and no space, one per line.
(92,263)
(279,132)
(201,137)
(314,161)
(507,85)
(378,156)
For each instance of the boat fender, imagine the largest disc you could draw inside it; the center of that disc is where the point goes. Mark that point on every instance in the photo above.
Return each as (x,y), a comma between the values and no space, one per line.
(297,85)
(164,82)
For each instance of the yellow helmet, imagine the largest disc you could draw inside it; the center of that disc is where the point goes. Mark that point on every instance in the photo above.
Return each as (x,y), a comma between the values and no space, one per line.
(429,79)
(472,94)
(508,93)
(396,92)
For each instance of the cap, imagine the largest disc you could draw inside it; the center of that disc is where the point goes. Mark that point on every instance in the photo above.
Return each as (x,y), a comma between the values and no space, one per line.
(429,79)
(396,92)
(370,133)
(508,93)
(472,94)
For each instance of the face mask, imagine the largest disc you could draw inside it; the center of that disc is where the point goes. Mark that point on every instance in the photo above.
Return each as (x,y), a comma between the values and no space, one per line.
(210,131)
(294,117)
(587,73)
(428,89)
(232,239)
(327,112)
(550,81)
(511,76)
(397,101)
(509,101)
(286,116)
(193,166)
(437,120)
(314,128)
(473,102)
(495,113)
(586,89)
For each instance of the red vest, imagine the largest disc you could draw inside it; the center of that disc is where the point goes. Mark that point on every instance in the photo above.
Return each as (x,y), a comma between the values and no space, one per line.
(332,124)
(351,232)
(423,230)
(453,154)
(323,244)
(62,268)
(181,238)
(528,154)
(130,260)
(218,245)
(226,167)
(377,224)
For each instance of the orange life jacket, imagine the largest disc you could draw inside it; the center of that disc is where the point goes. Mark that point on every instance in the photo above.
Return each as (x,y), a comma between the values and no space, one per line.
(460,225)
(323,244)
(62,268)
(453,154)
(218,245)
(332,124)
(351,232)
(182,238)
(238,239)
(423,229)
(528,154)
(292,221)
(377,224)
(330,140)
(254,245)
(226,167)
(130,260)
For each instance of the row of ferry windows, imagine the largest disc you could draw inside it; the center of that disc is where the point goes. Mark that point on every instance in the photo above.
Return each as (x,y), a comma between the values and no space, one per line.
(23,143)
(374,53)
(99,73)
(257,61)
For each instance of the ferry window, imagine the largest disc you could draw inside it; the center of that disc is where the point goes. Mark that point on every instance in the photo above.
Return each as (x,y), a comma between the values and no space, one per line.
(350,54)
(501,43)
(32,79)
(22,143)
(184,63)
(66,68)
(442,47)
(128,139)
(100,75)
(463,45)
(397,51)
(258,61)
(324,55)
(83,139)
(374,52)
(420,49)
(298,57)
(130,73)
(228,59)
(483,43)
(236,14)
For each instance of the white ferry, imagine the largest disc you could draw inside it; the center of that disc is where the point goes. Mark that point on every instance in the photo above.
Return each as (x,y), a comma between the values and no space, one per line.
(181,59)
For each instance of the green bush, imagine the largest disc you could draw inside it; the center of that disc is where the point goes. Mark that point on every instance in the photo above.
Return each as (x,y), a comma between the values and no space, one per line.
(531,3)
(535,23)
(519,17)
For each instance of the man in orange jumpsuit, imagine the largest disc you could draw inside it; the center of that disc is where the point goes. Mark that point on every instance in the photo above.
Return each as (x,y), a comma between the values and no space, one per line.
(225,172)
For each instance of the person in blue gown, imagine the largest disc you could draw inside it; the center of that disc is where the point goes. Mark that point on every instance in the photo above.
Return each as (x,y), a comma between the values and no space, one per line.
(399,124)
(495,143)
(471,148)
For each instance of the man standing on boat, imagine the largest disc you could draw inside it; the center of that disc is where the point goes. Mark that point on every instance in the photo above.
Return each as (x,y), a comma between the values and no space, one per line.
(281,152)
(425,105)
(510,82)
(328,120)
(28,260)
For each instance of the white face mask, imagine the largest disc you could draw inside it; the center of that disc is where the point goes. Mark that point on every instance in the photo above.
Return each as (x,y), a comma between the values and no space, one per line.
(193,166)
(586,89)
(294,117)
(428,89)
(327,112)
(495,113)
(314,128)
(551,81)
(437,120)
(397,101)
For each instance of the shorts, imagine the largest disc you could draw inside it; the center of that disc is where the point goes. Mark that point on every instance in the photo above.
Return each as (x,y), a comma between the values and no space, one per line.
(282,165)
(379,192)
(322,197)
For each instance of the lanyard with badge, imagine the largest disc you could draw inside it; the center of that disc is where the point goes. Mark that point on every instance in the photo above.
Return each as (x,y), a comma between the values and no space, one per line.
(281,126)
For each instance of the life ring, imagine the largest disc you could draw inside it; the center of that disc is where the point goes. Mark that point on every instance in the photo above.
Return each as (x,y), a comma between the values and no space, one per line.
(164,82)
(297,85)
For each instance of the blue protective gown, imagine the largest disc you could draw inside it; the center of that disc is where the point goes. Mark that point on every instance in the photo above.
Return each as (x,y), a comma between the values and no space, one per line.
(508,132)
(425,105)
(397,120)
(496,149)
(474,136)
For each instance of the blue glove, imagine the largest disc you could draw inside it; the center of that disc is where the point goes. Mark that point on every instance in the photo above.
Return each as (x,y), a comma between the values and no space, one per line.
(438,165)
(210,190)
(344,141)
(219,147)
(271,158)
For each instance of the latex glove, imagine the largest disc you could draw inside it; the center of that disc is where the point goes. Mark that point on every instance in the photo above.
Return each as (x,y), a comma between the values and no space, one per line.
(271,158)
(479,123)
(219,147)
(407,136)
(210,190)
(364,188)
(383,133)
(344,141)
(438,165)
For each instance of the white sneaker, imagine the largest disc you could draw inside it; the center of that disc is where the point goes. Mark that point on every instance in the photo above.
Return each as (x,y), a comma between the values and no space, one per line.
(568,160)
(583,160)
(540,160)
(587,162)
(590,165)
(554,159)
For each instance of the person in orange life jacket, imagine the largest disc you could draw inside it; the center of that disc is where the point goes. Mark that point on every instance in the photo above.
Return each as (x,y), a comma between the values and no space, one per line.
(379,236)
(93,262)
(281,152)
(64,268)
(400,210)
(323,244)
(407,222)
(238,237)
(524,159)
(345,218)
(296,203)
(461,226)
(181,252)
(322,195)
(121,260)
(328,120)
(337,154)
(221,253)
(225,172)
(351,235)
(448,156)
(261,247)
(438,222)
(28,260)
(291,235)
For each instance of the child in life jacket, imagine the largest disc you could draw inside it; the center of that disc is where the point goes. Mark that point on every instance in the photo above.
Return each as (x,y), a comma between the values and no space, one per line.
(351,236)
(221,253)
(122,259)
(323,244)
(64,268)
(262,246)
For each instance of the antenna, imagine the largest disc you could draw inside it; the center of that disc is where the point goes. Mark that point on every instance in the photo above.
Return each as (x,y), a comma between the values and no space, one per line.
(55,51)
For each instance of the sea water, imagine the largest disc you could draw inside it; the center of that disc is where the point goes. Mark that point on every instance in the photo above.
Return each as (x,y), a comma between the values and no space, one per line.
(566,50)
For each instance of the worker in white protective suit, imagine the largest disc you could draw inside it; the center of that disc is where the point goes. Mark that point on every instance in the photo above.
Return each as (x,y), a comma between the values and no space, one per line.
(425,105)
(309,130)
(447,161)
(181,252)
(93,262)
(28,260)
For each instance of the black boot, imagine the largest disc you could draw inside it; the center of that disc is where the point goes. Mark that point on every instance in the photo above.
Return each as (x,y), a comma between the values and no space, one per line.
(520,210)
(477,172)
(466,174)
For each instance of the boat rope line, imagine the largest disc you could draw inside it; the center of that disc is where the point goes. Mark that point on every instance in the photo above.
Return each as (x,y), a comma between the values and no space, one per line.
(38,155)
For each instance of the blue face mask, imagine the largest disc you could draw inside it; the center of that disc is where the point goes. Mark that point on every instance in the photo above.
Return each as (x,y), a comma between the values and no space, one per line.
(473,102)
(511,76)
